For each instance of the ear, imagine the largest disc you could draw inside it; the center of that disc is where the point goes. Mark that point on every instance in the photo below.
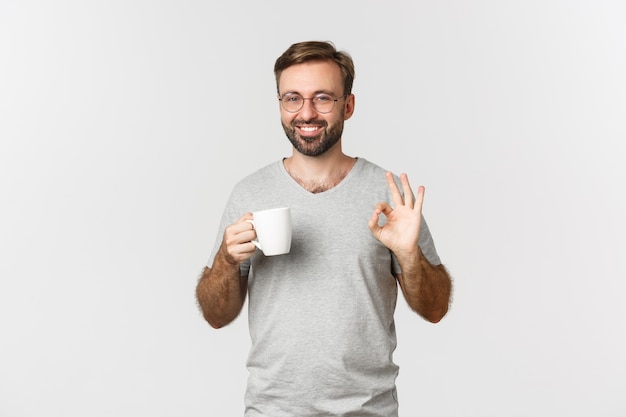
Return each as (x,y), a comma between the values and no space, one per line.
(349,107)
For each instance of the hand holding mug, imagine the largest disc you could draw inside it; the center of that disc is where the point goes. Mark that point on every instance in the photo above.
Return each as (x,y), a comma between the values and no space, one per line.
(273,230)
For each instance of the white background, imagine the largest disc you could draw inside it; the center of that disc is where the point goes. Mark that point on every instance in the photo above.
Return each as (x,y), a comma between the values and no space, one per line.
(124,125)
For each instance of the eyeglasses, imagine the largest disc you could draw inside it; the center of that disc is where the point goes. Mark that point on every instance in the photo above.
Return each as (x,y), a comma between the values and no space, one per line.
(322,103)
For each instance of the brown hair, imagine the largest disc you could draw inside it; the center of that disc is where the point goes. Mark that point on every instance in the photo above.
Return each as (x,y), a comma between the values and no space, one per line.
(299,53)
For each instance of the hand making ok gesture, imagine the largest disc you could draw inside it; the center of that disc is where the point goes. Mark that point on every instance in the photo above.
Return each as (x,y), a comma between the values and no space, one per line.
(401,230)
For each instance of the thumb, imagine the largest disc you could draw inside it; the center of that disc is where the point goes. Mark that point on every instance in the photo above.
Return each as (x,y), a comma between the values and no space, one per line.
(381,208)
(373,222)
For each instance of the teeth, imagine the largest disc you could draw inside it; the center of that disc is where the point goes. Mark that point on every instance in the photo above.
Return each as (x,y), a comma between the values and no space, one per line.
(309,129)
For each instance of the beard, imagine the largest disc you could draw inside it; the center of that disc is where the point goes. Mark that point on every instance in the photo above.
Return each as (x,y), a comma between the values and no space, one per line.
(314,145)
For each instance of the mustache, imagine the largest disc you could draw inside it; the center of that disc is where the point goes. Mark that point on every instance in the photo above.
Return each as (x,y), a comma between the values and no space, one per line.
(320,123)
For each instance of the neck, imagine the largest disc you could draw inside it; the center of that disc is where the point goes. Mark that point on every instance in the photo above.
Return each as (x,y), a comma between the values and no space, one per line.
(320,173)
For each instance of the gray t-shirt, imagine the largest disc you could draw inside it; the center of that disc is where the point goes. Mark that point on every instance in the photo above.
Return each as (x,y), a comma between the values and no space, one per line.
(321,317)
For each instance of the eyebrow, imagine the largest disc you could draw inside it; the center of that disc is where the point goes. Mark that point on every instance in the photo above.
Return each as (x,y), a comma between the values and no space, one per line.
(330,93)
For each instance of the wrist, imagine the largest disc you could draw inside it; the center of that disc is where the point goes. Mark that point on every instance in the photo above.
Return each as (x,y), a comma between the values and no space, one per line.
(226,259)
(409,260)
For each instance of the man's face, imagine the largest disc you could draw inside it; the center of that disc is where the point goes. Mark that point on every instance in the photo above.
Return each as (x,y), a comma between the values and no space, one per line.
(310,132)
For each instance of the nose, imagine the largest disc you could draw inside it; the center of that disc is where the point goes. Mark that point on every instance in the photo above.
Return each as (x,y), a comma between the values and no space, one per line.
(307,112)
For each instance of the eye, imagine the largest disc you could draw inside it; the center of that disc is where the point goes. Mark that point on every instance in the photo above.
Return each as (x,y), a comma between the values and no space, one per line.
(292,98)
(323,98)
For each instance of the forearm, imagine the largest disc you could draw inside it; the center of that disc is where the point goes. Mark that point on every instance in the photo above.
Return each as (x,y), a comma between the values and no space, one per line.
(221,292)
(427,288)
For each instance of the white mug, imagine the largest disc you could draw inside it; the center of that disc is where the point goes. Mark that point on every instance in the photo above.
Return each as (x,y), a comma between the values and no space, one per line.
(273,230)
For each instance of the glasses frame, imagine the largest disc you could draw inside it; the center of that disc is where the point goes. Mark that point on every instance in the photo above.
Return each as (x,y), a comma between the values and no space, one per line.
(335,100)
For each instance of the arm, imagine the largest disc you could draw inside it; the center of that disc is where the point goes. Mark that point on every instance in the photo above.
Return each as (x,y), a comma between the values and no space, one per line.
(221,291)
(427,288)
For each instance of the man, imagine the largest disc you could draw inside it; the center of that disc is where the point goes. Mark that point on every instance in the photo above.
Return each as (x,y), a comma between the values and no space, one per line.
(321,317)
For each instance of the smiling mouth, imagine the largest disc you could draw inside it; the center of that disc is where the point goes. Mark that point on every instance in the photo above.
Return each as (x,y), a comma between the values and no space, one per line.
(309,129)
(309,133)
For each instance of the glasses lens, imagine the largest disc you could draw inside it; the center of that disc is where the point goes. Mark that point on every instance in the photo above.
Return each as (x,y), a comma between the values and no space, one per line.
(292,102)
(323,103)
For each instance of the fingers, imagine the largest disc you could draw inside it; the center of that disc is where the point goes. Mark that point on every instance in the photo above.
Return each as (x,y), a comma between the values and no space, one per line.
(393,188)
(237,239)
(408,198)
(373,222)
(381,208)
(419,200)
(245,218)
(406,188)
(243,224)
(244,228)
